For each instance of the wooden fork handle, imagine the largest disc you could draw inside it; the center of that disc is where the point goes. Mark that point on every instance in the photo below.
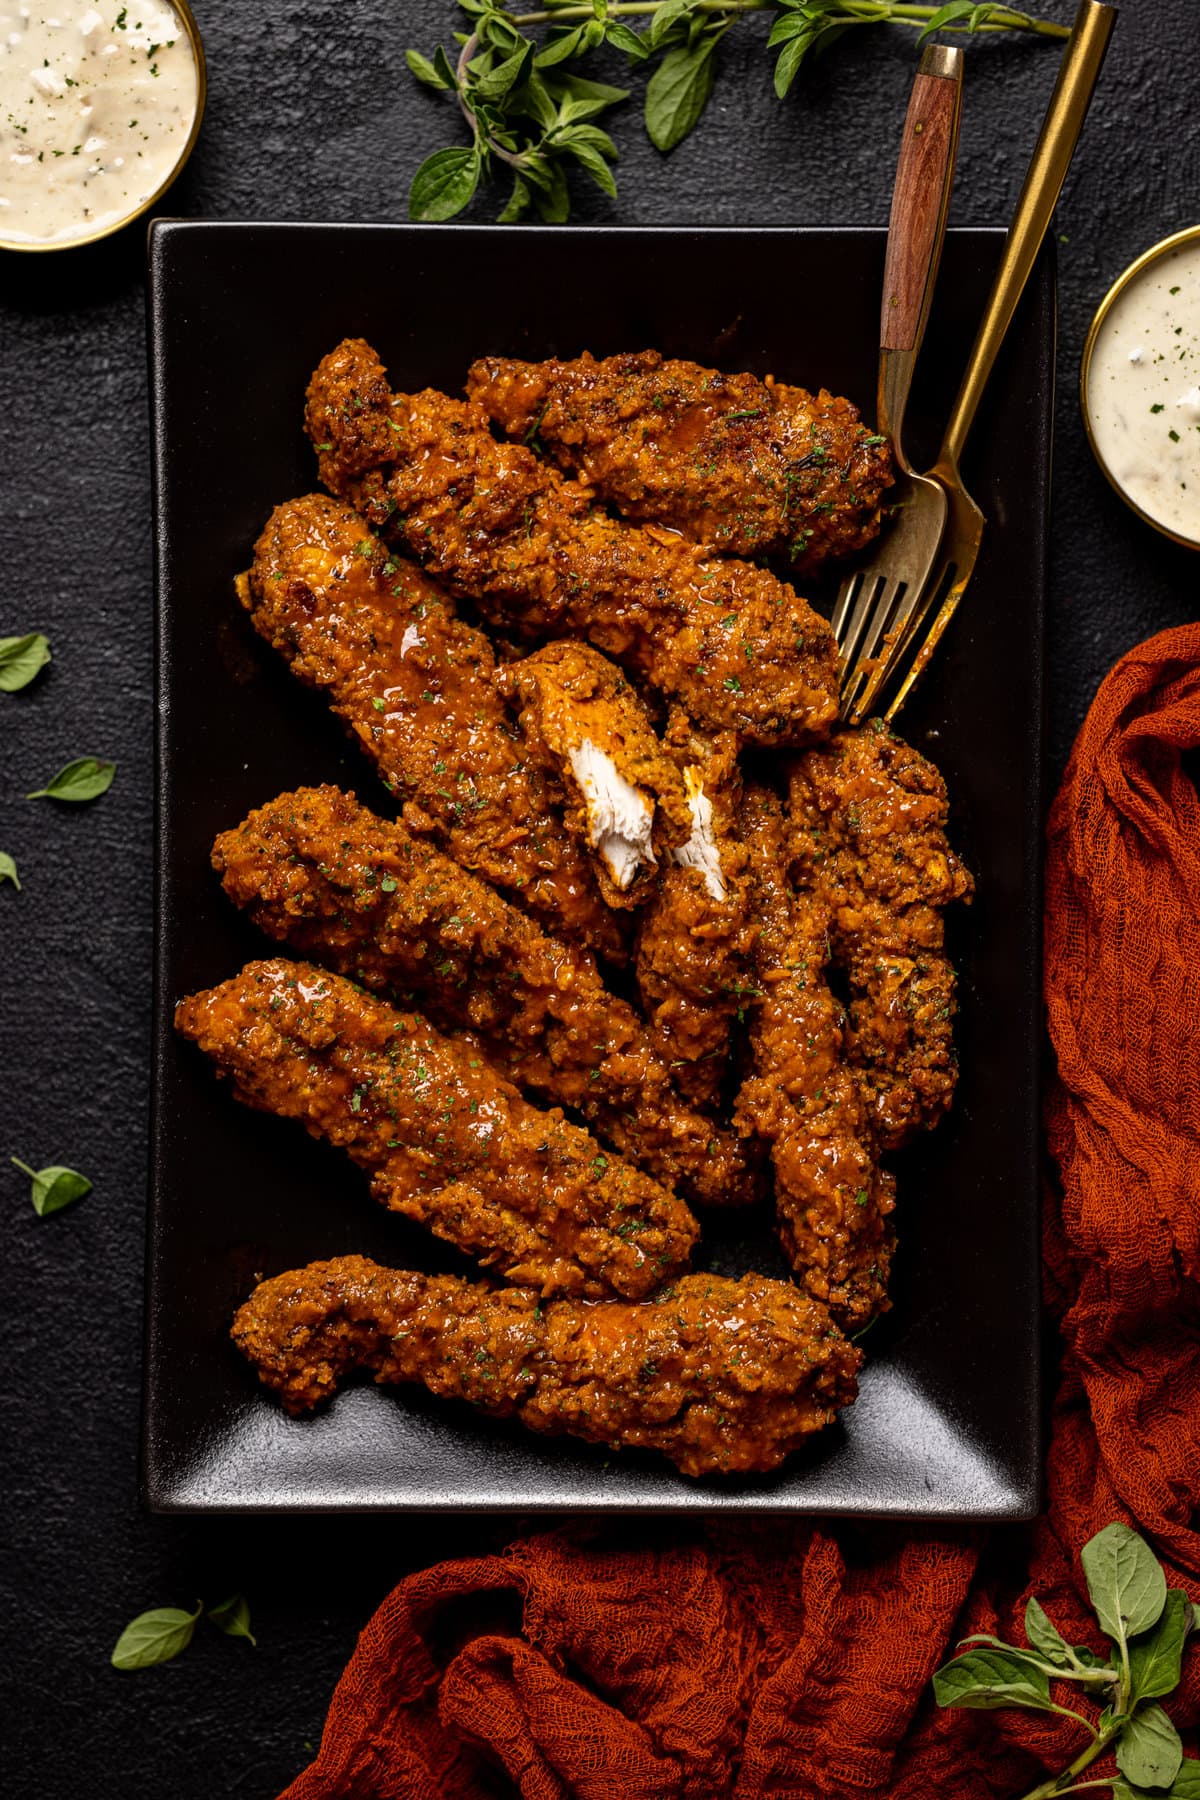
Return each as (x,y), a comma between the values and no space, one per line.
(921,197)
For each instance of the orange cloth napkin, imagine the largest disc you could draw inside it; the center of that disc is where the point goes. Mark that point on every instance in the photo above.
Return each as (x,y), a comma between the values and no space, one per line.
(669,1662)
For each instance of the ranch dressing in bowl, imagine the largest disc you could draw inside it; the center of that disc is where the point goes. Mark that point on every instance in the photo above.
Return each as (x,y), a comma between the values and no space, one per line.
(1141,386)
(100,103)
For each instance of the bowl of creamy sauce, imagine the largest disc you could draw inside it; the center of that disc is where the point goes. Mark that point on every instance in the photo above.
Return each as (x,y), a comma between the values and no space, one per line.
(1140,386)
(100,104)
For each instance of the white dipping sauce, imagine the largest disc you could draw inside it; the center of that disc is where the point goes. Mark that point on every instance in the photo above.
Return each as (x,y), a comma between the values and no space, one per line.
(1143,390)
(97,100)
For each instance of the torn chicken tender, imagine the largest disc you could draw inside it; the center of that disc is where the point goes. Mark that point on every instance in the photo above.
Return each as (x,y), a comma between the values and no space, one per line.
(448,1142)
(696,934)
(728,640)
(834,1205)
(413,683)
(582,718)
(722,1377)
(751,467)
(361,895)
(868,816)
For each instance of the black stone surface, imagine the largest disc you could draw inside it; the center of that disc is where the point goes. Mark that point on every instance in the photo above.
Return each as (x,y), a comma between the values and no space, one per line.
(312,115)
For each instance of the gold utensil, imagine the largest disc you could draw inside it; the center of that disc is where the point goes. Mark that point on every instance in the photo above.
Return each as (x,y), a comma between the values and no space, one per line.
(953,565)
(870,596)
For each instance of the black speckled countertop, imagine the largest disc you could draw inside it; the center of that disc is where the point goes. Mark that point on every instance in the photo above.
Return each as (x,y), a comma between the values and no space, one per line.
(312,115)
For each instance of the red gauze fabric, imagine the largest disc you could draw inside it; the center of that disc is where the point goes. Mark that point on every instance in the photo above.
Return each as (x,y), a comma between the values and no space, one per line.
(793,1660)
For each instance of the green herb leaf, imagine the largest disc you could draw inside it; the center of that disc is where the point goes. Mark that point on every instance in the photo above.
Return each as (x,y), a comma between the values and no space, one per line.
(84,779)
(560,48)
(621,37)
(677,93)
(232,1616)
(154,1637)
(988,1679)
(1155,1658)
(425,71)
(595,165)
(1043,1637)
(443,185)
(8,870)
(1127,1586)
(1148,1750)
(20,660)
(665,15)
(946,15)
(597,96)
(53,1188)
(506,75)
(519,202)
(1186,1785)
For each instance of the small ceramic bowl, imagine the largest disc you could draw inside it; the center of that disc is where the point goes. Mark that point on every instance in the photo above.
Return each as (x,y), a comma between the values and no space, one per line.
(187,20)
(1123,282)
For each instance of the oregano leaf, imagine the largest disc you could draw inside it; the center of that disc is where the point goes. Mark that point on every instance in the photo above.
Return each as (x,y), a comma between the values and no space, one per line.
(154,1637)
(54,1187)
(1156,1656)
(8,870)
(1149,1750)
(986,1679)
(946,15)
(677,93)
(21,658)
(1043,1636)
(86,778)
(232,1616)
(1125,1581)
(622,37)
(443,185)
(425,71)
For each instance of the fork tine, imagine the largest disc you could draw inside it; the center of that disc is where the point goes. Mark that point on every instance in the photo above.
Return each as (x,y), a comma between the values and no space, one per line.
(860,619)
(874,627)
(843,603)
(897,650)
(933,637)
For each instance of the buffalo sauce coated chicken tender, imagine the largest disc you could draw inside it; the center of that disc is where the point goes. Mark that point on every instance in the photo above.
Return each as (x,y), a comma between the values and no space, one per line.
(539,557)
(696,934)
(414,684)
(868,817)
(362,895)
(723,1377)
(750,467)
(580,716)
(833,1203)
(448,1142)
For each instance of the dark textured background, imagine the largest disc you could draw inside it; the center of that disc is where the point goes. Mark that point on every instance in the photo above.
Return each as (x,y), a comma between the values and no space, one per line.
(312,116)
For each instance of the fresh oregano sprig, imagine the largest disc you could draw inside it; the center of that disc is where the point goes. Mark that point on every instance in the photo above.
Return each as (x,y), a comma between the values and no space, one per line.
(1147,1625)
(158,1636)
(529,111)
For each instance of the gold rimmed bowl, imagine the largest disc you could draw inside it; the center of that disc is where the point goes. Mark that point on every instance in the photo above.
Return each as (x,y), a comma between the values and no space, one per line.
(1155,255)
(184,13)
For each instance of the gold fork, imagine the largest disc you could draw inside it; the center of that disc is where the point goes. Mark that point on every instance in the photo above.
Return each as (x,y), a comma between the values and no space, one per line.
(870,596)
(952,561)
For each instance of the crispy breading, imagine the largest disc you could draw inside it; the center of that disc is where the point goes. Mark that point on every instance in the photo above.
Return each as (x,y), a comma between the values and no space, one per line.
(414,684)
(540,558)
(363,896)
(833,1204)
(868,816)
(723,1377)
(751,467)
(695,936)
(448,1142)
(580,715)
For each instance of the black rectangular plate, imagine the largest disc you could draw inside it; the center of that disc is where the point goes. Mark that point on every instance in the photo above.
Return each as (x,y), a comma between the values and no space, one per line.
(947,1422)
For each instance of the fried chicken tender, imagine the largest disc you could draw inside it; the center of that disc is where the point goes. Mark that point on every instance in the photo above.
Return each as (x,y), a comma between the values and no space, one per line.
(414,684)
(748,466)
(868,817)
(696,935)
(448,1142)
(834,1205)
(317,871)
(582,718)
(730,641)
(723,1377)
